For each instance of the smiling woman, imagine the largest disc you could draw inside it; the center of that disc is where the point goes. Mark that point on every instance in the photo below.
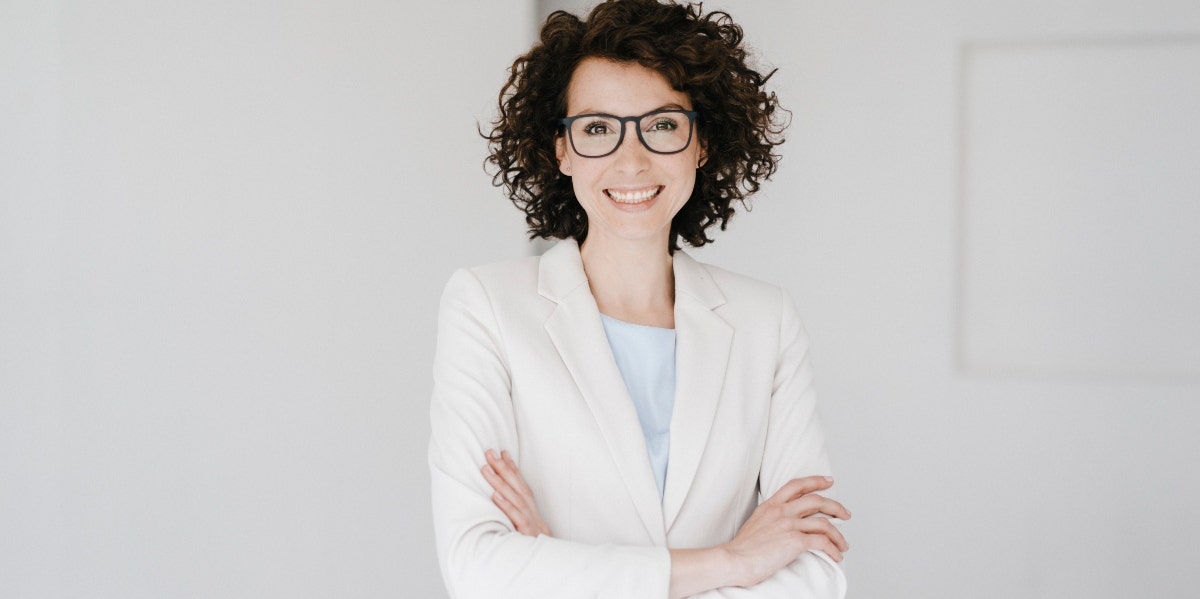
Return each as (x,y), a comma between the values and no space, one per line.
(614,418)
(629,190)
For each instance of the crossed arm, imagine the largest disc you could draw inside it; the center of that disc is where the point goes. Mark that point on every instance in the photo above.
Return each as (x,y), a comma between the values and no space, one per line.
(792,521)
(482,556)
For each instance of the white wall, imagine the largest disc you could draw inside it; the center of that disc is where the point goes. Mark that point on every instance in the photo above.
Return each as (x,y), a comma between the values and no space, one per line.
(224,227)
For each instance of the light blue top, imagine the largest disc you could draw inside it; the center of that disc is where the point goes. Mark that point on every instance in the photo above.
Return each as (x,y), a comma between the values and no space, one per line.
(646,358)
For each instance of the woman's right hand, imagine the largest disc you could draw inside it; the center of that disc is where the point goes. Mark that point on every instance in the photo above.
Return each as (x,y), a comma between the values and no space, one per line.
(790,522)
(513,495)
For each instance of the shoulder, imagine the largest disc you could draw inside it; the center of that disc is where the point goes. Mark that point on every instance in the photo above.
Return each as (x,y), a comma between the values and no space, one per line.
(507,273)
(762,311)
(743,285)
(495,292)
(739,292)
(559,270)
(495,276)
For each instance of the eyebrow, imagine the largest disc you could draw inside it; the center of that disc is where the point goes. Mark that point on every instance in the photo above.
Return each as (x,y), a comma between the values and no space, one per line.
(670,106)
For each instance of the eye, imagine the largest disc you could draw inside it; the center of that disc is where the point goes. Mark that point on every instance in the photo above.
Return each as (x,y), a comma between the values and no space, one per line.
(663,123)
(596,128)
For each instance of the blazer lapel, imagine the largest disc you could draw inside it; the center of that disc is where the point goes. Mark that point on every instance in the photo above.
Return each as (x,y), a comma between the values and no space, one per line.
(577,333)
(702,344)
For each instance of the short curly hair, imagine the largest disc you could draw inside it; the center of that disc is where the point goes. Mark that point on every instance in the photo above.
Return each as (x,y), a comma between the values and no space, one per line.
(699,54)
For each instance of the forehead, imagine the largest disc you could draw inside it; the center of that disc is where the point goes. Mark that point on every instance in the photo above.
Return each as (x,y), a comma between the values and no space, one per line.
(619,88)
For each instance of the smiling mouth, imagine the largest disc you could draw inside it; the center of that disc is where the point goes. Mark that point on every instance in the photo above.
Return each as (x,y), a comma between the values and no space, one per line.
(633,196)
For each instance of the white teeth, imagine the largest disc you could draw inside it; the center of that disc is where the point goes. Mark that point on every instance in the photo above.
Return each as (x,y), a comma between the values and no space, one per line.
(632,197)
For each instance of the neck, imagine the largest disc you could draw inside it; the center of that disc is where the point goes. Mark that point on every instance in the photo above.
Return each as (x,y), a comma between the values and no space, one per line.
(631,280)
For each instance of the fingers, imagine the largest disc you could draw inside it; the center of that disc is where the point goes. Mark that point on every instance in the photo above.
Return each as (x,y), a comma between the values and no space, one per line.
(799,495)
(512,495)
(812,504)
(503,491)
(822,526)
(810,529)
(803,510)
(800,486)
(506,497)
(521,520)
(514,515)
(512,486)
(822,543)
(513,475)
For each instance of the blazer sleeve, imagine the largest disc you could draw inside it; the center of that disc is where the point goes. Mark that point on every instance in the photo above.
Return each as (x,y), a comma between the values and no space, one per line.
(795,448)
(471,411)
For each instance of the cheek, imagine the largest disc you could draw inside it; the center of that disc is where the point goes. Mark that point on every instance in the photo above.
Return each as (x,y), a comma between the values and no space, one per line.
(685,172)
(687,185)
(583,184)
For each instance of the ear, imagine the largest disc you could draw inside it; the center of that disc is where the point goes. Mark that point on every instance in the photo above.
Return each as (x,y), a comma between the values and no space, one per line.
(564,157)
(703,154)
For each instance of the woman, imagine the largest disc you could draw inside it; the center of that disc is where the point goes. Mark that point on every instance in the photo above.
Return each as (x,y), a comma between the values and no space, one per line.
(650,401)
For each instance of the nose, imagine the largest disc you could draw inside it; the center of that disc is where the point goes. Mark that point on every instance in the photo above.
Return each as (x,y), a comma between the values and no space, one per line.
(631,155)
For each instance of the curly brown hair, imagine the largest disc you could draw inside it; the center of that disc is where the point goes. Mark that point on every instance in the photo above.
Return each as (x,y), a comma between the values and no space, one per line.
(699,54)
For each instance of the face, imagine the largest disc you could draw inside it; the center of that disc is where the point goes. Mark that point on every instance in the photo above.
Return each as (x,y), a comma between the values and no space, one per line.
(633,193)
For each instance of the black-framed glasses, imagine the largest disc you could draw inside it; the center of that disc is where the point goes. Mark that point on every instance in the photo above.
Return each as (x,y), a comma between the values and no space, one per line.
(661,131)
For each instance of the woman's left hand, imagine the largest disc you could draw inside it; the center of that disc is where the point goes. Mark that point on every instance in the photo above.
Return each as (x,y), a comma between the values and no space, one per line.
(512,495)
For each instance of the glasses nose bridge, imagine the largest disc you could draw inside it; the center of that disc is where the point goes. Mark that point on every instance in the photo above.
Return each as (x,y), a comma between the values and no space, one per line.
(637,132)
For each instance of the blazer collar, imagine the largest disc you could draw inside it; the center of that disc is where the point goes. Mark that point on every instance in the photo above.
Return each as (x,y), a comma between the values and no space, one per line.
(703,341)
(692,280)
(702,346)
(560,271)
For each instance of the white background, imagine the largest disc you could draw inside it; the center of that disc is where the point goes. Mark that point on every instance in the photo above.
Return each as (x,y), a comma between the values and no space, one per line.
(224,227)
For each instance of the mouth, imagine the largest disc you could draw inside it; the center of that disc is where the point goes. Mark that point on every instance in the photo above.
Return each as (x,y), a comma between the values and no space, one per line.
(633,196)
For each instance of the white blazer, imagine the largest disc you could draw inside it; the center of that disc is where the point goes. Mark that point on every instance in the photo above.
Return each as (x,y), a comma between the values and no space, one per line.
(523,364)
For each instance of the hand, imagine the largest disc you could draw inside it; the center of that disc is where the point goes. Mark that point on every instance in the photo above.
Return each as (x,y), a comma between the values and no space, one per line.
(787,524)
(512,495)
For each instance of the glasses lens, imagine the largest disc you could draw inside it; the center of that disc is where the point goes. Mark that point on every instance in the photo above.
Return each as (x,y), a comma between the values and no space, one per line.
(666,132)
(595,135)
